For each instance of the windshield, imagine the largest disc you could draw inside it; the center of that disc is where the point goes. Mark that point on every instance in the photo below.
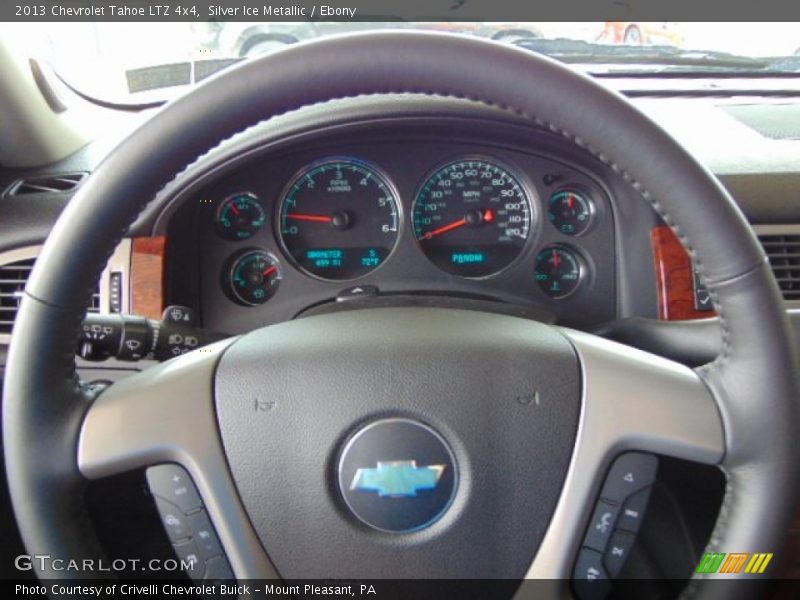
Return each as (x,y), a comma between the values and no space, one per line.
(143,62)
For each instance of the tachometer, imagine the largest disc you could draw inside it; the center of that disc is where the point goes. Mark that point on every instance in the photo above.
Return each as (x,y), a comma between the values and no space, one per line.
(339,219)
(472,217)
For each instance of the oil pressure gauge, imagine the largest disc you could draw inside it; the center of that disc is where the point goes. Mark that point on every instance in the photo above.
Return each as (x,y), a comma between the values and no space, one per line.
(559,271)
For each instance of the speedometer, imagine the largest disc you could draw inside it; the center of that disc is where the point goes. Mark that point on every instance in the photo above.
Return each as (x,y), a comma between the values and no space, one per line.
(472,217)
(339,219)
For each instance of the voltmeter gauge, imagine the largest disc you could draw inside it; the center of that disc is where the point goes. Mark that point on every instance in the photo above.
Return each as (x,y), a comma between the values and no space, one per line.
(240,216)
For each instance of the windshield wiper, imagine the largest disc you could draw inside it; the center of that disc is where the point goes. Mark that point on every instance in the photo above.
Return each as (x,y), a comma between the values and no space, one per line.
(581,52)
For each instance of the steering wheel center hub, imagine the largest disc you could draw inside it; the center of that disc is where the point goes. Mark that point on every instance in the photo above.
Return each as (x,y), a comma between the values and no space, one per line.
(397,475)
(446,433)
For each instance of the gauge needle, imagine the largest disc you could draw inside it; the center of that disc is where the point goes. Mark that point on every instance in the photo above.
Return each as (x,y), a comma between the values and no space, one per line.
(445,228)
(270,271)
(304,217)
(556,259)
(235,210)
(570,201)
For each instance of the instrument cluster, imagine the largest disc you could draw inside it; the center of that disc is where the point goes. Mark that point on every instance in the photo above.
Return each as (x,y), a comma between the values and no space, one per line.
(278,232)
(339,218)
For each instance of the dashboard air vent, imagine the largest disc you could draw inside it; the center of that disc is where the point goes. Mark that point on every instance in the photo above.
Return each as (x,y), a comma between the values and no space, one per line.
(13,277)
(784,257)
(47,184)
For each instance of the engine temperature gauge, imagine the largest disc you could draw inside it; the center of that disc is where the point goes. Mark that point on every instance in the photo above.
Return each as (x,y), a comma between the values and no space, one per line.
(559,271)
(570,211)
(251,277)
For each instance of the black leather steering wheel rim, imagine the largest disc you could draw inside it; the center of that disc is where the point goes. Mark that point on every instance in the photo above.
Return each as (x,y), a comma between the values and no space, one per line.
(753,380)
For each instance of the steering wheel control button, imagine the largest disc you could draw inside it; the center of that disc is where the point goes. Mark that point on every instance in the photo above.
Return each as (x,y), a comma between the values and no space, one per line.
(630,473)
(616,519)
(630,519)
(602,525)
(187,553)
(175,523)
(186,522)
(617,552)
(173,483)
(397,475)
(204,535)
(702,297)
(589,579)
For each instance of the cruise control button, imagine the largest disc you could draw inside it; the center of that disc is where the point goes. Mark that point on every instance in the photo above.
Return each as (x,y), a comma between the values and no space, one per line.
(630,518)
(601,526)
(629,473)
(617,552)
(173,483)
(204,535)
(175,523)
(589,579)
(218,569)
(188,554)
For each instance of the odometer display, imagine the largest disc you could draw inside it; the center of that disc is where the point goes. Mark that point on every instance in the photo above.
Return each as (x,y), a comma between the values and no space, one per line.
(339,219)
(472,217)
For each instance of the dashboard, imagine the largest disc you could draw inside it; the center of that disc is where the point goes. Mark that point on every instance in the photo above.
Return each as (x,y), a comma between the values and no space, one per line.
(566,240)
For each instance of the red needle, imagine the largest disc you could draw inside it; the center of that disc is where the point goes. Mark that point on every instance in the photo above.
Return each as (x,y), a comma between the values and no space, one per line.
(269,271)
(235,210)
(556,260)
(445,228)
(488,215)
(302,217)
(571,201)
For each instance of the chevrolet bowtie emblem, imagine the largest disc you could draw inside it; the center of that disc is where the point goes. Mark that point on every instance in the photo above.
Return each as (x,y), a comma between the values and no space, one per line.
(398,478)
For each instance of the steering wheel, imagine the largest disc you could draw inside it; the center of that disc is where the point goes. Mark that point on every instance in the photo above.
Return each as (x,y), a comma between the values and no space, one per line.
(521,476)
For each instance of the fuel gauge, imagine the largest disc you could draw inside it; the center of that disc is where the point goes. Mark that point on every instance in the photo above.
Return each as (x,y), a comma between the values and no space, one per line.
(251,277)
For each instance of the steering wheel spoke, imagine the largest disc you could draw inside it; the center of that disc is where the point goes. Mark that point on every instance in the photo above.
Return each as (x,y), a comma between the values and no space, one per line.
(631,401)
(166,415)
